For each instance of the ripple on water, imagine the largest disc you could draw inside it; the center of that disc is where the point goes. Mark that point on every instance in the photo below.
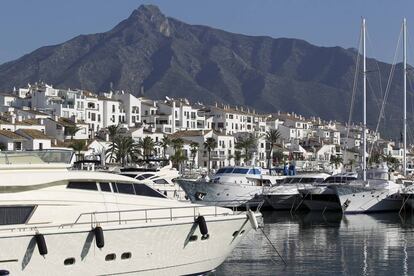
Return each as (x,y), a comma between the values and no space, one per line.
(329,244)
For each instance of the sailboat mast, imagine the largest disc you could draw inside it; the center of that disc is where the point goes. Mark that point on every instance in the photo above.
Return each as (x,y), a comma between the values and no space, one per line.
(364,127)
(405,96)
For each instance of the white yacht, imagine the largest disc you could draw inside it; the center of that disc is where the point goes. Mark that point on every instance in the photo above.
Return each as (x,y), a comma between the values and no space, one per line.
(285,195)
(378,193)
(57,221)
(161,179)
(321,197)
(229,187)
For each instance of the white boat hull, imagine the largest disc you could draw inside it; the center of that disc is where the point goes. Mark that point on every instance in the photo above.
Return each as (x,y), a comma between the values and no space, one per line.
(159,249)
(283,202)
(364,201)
(321,199)
(220,194)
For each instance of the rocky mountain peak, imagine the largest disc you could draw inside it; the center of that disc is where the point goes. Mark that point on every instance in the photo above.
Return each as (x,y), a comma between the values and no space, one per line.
(151,15)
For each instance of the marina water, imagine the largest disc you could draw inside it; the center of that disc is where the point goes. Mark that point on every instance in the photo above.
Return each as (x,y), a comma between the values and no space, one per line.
(328,244)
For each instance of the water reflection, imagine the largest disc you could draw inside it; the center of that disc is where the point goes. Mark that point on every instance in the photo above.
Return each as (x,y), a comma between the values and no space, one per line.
(316,244)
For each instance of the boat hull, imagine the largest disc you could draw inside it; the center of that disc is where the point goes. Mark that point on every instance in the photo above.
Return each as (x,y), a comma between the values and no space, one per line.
(161,249)
(283,202)
(219,194)
(358,200)
(321,199)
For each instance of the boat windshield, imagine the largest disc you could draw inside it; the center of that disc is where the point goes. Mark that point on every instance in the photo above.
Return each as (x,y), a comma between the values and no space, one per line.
(35,157)
(254,171)
(240,171)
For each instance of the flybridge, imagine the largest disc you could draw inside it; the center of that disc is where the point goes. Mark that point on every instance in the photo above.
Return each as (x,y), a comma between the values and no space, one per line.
(36,159)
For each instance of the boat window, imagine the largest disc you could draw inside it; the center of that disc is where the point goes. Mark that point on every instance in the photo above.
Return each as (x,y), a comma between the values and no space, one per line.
(254,171)
(105,187)
(15,214)
(240,171)
(114,187)
(125,188)
(126,255)
(146,175)
(228,170)
(110,257)
(69,261)
(144,190)
(91,186)
(160,181)
(222,170)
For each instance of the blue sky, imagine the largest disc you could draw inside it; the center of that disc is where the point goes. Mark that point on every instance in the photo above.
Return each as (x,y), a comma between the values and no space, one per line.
(26,25)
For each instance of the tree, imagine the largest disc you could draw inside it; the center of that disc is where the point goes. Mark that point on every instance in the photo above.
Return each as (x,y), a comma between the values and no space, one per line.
(209,145)
(78,146)
(164,143)
(271,137)
(113,134)
(178,156)
(72,130)
(237,157)
(194,149)
(147,145)
(125,149)
(246,143)
(279,156)
(392,162)
(336,160)
(3,147)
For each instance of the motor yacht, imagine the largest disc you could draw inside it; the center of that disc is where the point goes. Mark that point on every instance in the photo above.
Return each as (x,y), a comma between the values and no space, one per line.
(54,220)
(378,193)
(230,186)
(285,195)
(161,179)
(321,197)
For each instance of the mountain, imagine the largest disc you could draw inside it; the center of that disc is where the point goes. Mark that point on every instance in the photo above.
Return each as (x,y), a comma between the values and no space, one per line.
(165,56)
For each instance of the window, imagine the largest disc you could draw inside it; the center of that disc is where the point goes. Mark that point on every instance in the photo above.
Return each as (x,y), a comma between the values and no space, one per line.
(15,214)
(17,145)
(126,255)
(160,181)
(40,146)
(125,188)
(144,176)
(240,171)
(144,190)
(110,257)
(105,187)
(91,186)
(113,108)
(69,261)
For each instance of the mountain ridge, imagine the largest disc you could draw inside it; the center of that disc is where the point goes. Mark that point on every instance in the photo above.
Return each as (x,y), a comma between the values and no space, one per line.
(167,57)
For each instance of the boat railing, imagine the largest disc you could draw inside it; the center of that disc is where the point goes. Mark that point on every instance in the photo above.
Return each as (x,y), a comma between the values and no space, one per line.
(136,215)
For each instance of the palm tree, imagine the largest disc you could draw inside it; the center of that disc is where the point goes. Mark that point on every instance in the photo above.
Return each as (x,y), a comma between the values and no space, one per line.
(147,145)
(72,130)
(271,137)
(246,143)
(164,143)
(336,160)
(112,133)
(178,156)
(209,145)
(78,146)
(194,149)
(125,149)
(237,157)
